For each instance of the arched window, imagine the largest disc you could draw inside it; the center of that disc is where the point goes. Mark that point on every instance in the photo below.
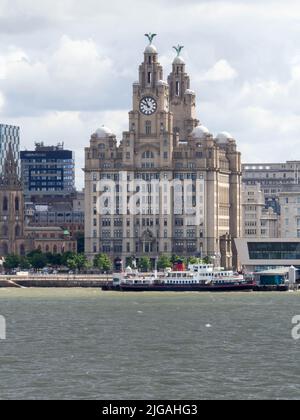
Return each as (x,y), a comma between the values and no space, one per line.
(55,249)
(47,248)
(17,231)
(148,155)
(17,204)
(5,204)
(4,231)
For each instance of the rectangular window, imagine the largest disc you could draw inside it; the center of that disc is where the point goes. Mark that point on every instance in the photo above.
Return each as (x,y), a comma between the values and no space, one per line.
(148,128)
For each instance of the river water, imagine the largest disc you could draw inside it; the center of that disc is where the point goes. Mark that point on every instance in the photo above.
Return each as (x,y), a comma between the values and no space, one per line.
(88,344)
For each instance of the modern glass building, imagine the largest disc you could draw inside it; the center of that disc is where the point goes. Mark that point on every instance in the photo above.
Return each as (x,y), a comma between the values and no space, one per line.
(48,170)
(264,254)
(9,135)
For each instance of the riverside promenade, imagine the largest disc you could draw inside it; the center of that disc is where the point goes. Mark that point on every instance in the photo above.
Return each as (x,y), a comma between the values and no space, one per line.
(55,280)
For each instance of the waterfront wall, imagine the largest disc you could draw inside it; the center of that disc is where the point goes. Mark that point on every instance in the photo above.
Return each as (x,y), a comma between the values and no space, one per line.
(54,281)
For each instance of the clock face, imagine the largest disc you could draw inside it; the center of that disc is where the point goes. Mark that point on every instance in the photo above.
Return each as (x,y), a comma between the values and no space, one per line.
(148,105)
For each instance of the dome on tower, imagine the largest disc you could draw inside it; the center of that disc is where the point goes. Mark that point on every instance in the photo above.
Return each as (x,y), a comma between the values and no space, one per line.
(200,132)
(103,132)
(151,49)
(224,137)
(178,60)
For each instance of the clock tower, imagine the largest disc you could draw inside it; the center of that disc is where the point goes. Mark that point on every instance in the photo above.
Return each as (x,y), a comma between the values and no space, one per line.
(150,121)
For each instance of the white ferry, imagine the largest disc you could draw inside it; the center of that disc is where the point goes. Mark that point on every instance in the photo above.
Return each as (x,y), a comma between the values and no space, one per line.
(198,278)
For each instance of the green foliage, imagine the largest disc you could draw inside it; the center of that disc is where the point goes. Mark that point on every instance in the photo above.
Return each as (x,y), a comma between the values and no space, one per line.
(176,259)
(11,262)
(103,263)
(54,260)
(24,263)
(207,260)
(71,264)
(77,262)
(38,260)
(65,257)
(193,260)
(164,262)
(144,264)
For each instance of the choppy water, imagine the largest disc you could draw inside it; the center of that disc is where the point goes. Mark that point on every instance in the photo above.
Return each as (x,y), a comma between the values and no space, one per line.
(88,344)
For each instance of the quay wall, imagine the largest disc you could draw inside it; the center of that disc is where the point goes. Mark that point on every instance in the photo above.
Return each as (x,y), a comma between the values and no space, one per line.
(55,281)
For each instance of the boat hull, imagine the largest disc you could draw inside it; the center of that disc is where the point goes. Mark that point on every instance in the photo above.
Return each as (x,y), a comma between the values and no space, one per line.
(180,288)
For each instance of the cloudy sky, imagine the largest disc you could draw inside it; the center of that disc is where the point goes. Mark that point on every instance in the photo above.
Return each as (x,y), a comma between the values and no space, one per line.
(67,67)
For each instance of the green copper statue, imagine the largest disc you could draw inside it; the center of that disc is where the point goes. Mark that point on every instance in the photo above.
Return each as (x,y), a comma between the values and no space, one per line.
(178,49)
(150,37)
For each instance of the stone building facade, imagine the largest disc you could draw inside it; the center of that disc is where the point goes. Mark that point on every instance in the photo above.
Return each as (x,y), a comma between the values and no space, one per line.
(12,240)
(52,239)
(258,221)
(289,200)
(273,179)
(165,143)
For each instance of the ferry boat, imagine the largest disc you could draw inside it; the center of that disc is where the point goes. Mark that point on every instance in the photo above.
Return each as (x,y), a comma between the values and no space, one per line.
(198,278)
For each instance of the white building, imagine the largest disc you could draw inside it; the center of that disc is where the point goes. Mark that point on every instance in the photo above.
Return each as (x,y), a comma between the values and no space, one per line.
(290,212)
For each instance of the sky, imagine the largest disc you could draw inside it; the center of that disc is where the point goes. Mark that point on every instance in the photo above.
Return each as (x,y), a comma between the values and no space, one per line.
(67,68)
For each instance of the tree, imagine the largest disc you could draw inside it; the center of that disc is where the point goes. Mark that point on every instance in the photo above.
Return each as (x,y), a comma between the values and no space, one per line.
(71,263)
(81,261)
(54,260)
(24,263)
(103,262)
(144,264)
(77,262)
(164,262)
(175,259)
(193,260)
(66,256)
(207,260)
(11,261)
(38,260)
(33,253)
